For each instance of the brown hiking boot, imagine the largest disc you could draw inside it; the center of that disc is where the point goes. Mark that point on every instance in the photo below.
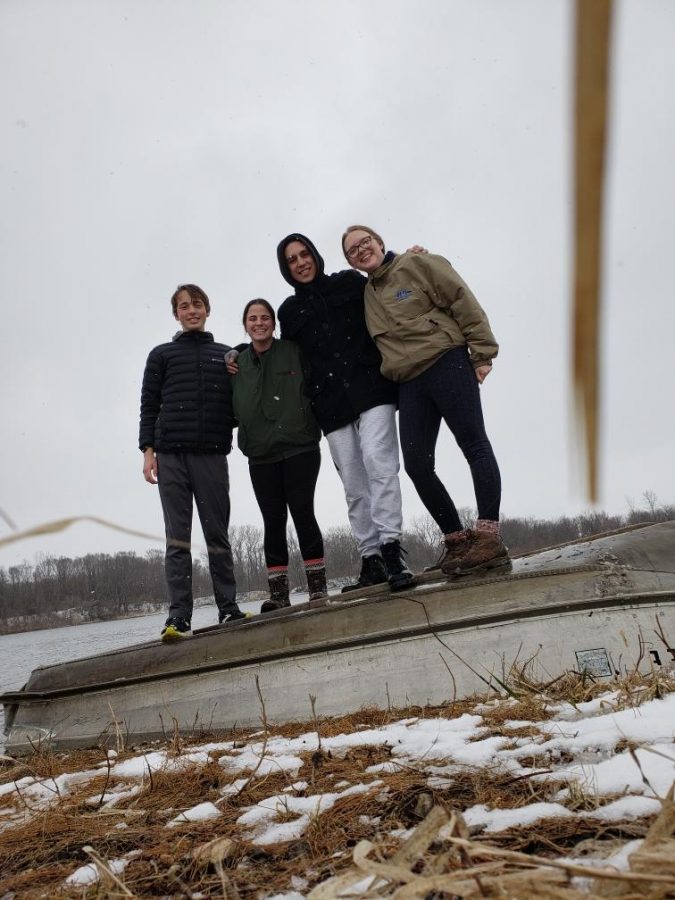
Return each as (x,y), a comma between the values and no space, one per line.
(487,551)
(457,545)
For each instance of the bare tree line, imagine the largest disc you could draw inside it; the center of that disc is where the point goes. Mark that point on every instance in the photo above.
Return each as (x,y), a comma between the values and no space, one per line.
(105,586)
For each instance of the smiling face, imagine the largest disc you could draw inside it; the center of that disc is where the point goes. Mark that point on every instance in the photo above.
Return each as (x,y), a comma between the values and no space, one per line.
(363,251)
(190,311)
(300,262)
(259,326)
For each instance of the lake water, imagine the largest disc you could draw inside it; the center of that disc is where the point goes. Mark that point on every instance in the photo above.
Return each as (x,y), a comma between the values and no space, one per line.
(21,653)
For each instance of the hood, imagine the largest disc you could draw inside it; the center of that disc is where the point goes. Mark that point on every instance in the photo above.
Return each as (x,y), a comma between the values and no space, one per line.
(283,265)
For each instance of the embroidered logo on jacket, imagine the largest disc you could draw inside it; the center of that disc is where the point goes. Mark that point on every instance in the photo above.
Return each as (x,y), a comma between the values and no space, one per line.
(403,294)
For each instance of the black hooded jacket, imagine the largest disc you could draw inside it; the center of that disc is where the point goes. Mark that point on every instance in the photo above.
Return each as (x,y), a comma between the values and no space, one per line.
(326,319)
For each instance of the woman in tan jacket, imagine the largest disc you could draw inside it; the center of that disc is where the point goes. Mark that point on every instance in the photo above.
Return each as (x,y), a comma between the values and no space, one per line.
(436,342)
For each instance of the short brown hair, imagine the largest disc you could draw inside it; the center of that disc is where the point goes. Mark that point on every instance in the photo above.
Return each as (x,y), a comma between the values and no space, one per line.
(365,228)
(194,291)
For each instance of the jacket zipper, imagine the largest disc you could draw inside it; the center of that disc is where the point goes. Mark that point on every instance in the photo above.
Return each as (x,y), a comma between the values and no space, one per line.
(200,380)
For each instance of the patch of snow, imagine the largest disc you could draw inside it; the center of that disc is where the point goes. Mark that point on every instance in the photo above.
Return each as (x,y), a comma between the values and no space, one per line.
(158,761)
(260,818)
(618,860)
(15,786)
(297,786)
(249,759)
(200,813)
(626,809)
(621,774)
(501,819)
(114,796)
(570,711)
(233,788)
(369,820)
(88,874)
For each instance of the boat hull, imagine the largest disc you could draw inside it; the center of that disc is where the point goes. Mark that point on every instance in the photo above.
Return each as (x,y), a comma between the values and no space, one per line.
(606,606)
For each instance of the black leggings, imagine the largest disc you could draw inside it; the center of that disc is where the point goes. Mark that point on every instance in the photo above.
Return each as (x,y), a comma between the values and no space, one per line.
(283,486)
(447,390)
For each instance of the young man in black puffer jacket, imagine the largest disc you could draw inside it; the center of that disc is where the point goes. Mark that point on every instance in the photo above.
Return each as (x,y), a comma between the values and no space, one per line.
(185,436)
(354,405)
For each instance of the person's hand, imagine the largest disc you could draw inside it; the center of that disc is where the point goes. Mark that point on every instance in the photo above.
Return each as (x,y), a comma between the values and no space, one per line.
(417,248)
(150,465)
(231,362)
(482,373)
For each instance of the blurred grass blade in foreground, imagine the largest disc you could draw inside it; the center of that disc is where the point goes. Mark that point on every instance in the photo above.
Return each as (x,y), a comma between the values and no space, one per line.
(593,24)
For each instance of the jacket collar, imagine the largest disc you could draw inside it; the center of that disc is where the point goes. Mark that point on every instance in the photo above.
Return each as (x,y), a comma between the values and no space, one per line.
(192,336)
(389,257)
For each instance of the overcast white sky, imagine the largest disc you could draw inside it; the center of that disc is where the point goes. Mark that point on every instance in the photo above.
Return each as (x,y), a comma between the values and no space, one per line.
(145,143)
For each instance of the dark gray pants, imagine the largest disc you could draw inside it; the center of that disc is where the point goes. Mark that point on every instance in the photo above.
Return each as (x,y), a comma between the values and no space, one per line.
(204,476)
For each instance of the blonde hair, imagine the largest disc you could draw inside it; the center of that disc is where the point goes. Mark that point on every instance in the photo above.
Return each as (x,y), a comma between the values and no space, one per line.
(365,228)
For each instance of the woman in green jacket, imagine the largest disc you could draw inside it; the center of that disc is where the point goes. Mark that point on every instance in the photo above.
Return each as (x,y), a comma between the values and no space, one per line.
(280,437)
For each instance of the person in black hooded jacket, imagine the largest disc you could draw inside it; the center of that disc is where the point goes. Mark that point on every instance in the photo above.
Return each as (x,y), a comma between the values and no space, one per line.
(352,402)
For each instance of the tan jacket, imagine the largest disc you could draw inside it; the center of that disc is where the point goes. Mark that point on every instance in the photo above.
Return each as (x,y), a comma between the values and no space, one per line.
(417,307)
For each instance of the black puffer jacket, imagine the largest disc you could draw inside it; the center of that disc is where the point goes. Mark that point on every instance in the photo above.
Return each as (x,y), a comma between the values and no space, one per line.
(186,399)
(326,319)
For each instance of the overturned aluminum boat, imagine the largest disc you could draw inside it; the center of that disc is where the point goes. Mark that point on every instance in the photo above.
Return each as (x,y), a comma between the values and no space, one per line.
(604,605)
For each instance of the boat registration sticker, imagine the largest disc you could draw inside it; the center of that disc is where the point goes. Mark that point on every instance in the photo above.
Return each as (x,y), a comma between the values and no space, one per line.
(593,662)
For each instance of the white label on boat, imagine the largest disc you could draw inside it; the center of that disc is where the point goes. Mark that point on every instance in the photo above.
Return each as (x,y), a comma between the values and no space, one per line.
(593,662)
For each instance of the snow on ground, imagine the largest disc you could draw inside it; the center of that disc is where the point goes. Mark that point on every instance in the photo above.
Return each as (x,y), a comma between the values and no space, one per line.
(626,754)
(262,818)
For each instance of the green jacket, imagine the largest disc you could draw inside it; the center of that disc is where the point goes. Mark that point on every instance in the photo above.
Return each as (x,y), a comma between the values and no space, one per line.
(417,308)
(270,404)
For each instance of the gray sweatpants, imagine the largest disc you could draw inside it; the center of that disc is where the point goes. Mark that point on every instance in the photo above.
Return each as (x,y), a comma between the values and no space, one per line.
(204,476)
(365,453)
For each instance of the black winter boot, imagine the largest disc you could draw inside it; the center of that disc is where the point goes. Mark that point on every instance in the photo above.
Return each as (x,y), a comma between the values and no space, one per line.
(399,575)
(372,572)
(316,582)
(278,593)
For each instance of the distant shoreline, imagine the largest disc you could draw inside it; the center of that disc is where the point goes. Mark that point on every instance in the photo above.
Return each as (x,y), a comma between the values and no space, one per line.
(68,617)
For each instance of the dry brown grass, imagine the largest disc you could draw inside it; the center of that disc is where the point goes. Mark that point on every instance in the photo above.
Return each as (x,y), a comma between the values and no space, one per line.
(215,858)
